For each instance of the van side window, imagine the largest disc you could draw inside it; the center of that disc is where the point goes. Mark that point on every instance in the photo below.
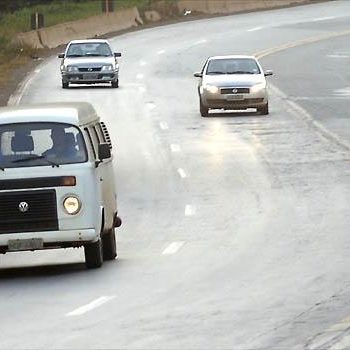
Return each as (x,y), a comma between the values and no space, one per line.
(96,136)
(106,134)
(100,134)
(90,141)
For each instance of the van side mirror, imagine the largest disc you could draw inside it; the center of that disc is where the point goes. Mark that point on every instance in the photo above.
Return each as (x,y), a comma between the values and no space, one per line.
(104,151)
(117,54)
(61,55)
(198,75)
(268,72)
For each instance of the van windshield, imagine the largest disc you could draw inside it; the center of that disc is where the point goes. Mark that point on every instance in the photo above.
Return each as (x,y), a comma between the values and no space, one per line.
(37,144)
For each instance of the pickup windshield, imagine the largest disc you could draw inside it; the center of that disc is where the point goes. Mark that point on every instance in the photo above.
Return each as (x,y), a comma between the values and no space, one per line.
(38,144)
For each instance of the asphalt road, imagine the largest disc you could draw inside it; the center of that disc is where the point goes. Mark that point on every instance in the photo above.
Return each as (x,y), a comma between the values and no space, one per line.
(236,227)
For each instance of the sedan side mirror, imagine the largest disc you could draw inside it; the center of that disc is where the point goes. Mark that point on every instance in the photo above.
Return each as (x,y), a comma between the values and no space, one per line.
(198,75)
(104,151)
(117,54)
(61,55)
(268,72)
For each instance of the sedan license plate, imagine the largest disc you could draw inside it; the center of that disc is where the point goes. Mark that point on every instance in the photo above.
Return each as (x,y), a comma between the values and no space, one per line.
(25,244)
(90,76)
(234,97)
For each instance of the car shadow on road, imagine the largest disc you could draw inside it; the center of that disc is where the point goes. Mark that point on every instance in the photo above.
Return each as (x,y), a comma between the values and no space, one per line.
(41,271)
(235,114)
(81,87)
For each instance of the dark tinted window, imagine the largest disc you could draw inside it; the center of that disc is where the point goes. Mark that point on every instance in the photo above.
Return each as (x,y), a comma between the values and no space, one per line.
(233,66)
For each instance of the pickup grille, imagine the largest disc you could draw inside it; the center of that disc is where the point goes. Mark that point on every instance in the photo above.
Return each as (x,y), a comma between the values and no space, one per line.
(40,216)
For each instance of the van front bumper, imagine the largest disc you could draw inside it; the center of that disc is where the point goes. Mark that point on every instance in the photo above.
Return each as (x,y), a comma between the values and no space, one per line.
(50,239)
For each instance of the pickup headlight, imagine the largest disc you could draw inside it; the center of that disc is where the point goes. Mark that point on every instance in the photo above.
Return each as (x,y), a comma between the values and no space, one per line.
(72,205)
(212,89)
(107,68)
(72,69)
(257,87)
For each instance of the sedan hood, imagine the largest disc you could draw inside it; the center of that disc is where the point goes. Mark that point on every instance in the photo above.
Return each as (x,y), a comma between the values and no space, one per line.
(89,61)
(234,80)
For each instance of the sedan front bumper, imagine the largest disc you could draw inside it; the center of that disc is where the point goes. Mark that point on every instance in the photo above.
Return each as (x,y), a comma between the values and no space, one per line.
(233,101)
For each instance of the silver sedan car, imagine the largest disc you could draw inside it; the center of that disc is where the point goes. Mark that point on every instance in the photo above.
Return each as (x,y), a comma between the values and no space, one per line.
(233,83)
(89,61)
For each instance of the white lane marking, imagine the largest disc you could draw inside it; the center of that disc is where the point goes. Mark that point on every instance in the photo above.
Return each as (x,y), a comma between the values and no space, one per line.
(182,173)
(164,125)
(254,29)
(342,92)
(322,19)
(142,89)
(202,41)
(298,111)
(190,210)
(344,343)
(175,147)
(88,307)
(161,52)
(172,248)
(37,70)
(139,76)
(143,63)
(151,105)
(338,56)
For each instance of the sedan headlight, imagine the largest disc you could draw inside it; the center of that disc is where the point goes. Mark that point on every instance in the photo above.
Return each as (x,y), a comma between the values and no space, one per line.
(257,87)
(107,68)
(212,89)
(72,69)
(72,205)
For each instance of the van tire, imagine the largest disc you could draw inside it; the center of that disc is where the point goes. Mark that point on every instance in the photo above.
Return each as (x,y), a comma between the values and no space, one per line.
(93,254)
(109,245)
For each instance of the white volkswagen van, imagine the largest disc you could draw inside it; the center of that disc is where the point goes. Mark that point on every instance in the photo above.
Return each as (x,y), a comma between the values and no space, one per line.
(57,186)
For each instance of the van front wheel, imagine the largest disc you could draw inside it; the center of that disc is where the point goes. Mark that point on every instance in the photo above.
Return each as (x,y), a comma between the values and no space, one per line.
(109,245)
(93,254)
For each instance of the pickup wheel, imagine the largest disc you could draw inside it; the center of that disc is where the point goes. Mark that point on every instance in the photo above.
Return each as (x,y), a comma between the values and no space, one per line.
(109,245)
(93,254)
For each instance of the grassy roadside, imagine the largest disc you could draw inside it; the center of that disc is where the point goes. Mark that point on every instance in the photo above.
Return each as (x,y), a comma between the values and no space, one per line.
(12,56)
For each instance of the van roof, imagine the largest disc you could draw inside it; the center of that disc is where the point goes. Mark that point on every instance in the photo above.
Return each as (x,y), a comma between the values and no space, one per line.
(76,113)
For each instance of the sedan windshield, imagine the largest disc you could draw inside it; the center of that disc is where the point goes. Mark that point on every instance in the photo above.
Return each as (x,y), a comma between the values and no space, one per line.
(233,66)
(89,49)
(35,144)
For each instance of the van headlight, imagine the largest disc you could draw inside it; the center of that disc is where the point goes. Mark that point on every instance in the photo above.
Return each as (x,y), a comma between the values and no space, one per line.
(72,205)
(257,87)
(212,89)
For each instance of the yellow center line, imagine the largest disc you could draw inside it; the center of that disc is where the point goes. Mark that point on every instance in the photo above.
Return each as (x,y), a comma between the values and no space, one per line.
(313,39)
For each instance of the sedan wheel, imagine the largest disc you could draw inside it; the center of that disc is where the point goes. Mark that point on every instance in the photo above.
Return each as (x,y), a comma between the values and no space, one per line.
(203,110)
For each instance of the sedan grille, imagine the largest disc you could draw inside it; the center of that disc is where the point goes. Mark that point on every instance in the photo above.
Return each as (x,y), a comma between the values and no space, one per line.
(233,90)
(28,211)
(94,69)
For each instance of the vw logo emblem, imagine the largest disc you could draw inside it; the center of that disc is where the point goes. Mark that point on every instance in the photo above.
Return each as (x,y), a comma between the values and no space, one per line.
(23,207)
(90,69)
(234,91)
